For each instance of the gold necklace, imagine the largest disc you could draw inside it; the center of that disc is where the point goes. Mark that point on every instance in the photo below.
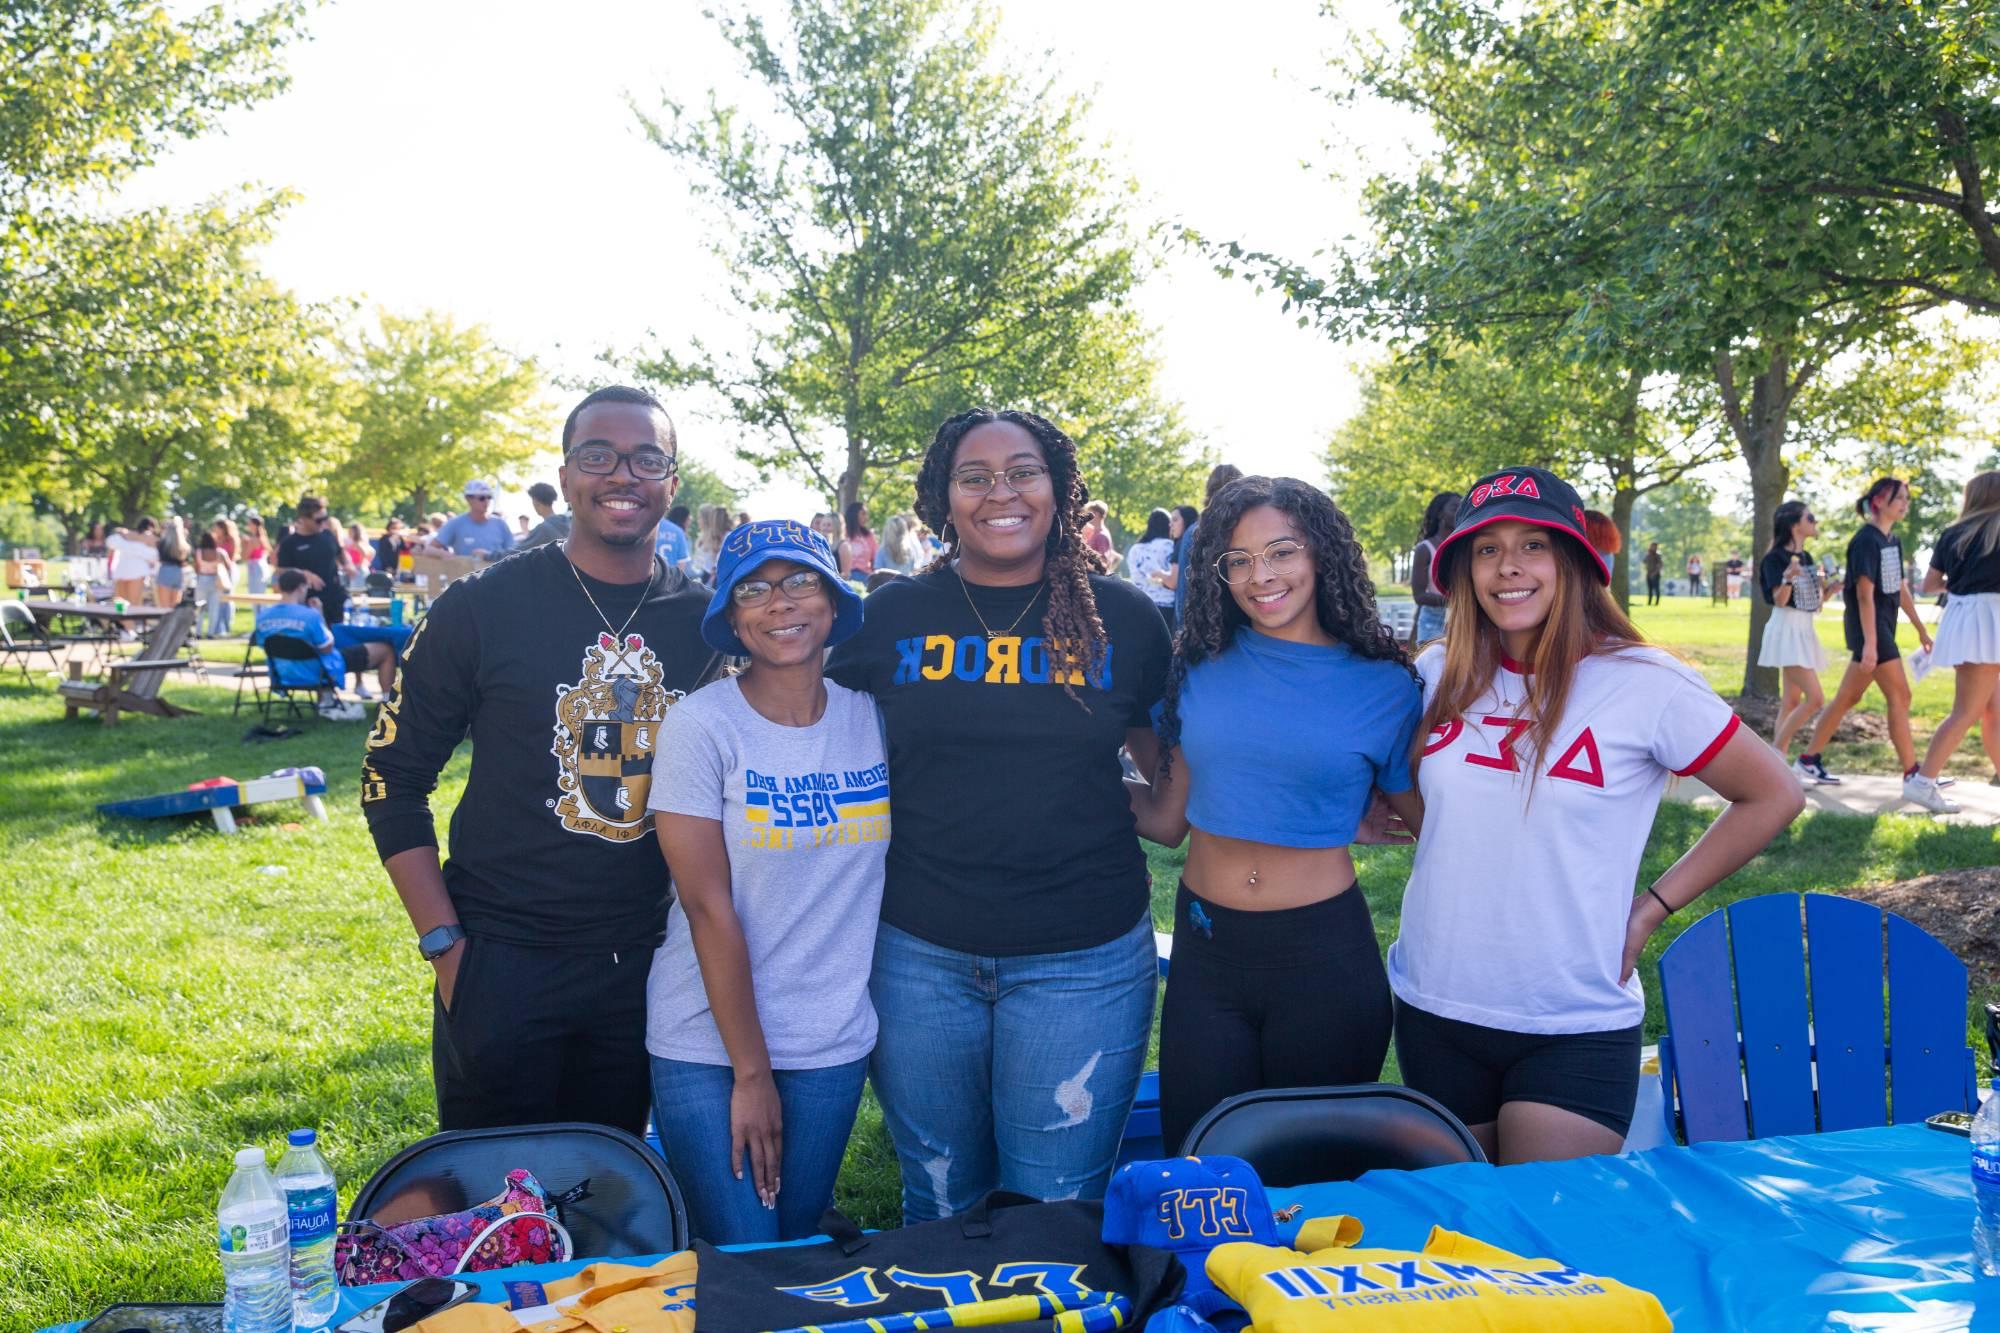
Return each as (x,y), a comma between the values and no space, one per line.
(992,633)
(617,635)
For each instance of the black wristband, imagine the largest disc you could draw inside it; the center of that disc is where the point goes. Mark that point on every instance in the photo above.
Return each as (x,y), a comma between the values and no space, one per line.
(1658,899)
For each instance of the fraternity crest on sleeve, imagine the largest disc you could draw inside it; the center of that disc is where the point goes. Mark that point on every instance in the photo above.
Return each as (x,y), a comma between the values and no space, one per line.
(607,725)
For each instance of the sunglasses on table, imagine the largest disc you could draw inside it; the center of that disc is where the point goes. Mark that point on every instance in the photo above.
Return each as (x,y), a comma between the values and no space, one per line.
(1280,557)
(601,461)
(754,592)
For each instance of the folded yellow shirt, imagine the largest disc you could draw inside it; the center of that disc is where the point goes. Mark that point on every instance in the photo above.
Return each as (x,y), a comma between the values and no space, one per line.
(615,1298)
(1454,1283)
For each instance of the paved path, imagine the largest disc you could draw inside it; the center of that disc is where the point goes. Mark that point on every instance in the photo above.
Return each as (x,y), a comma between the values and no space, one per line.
(1869,794)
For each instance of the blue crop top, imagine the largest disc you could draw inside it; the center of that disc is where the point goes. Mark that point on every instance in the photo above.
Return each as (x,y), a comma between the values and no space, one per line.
(1285,739)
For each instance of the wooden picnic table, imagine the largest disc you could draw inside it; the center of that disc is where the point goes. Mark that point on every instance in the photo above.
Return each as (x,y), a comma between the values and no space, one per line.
(273,598)
(49,608)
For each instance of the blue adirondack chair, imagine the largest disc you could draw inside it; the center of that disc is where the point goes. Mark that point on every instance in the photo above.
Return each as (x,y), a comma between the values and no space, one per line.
(1756,1045)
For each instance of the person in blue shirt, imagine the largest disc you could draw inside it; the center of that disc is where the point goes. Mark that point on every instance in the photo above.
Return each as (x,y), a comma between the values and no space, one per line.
(1288,705)
(477,531)
(294,618)
(672,542)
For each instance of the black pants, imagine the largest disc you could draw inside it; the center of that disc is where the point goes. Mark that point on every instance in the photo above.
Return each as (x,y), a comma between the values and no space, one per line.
(1296,998)
(1652,590)
(540,1035)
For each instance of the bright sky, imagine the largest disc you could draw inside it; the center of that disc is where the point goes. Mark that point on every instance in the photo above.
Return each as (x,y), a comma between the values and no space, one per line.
(484,162)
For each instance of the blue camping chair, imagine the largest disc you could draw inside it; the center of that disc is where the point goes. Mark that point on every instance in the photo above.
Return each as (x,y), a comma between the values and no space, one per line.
(1756,1046)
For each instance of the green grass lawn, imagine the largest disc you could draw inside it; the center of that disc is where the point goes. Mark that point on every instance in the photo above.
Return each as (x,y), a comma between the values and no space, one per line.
(168,994)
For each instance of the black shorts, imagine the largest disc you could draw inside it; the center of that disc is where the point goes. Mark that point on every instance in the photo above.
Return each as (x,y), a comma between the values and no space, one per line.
(1885,639)
(1475,1070)
(354,656)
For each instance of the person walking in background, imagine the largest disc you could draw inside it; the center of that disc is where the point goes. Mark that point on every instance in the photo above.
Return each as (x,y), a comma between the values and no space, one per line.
(1551,730)
(857,551)
(359,550)
(226,539)
(770,795)
(214,578)
(478,531)
(387,557)
(1283,666)
(1655,564)
(1184,519)
(1014,971)
(671,544)
(134,556)
(1218,476)
(256,555)
(1788,580)
(1096,538)
(714,523)
(1694,575)
(1966,563)
(93,546)
(1149,560)
(900,552)
(552,527)
(559,664)
(1875,589)
(828,527)
(1438,517)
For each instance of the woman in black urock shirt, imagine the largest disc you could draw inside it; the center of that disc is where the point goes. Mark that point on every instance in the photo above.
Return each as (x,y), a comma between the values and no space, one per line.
(1014,971)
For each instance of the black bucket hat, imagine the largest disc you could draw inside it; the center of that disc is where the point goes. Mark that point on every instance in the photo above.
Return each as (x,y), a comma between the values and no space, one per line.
(1525,495)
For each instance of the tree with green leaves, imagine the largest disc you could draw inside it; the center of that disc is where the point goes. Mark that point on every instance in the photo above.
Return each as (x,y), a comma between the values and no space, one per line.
(1557,213)
(911,225)
(433,404)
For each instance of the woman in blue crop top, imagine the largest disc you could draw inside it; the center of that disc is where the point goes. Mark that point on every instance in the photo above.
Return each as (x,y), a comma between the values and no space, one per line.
(1288,704)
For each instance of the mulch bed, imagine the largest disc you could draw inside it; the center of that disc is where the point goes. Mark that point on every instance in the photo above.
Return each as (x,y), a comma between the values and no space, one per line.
(1960,907)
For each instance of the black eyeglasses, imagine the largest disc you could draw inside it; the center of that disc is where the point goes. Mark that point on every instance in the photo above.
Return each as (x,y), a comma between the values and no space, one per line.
(798,586)
(600,460)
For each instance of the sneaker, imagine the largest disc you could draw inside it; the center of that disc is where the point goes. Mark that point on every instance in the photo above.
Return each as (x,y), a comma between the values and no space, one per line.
(1810,769)
(1944,781)
(337,710)
(361,690)
(1920,790)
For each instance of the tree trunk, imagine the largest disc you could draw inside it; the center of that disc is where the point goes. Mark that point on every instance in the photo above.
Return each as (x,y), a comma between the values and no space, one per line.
(1622,501)
(422,497)
(1760,433)
(850,480)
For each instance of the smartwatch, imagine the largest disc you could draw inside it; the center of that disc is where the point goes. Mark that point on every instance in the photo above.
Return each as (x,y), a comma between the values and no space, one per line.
(434,944)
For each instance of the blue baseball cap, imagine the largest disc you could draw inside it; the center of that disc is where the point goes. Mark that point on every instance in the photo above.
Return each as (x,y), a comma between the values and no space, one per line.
(1189,1205)
(745,550)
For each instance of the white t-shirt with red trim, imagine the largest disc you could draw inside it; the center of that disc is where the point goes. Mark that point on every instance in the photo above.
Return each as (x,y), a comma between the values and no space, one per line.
(1515,913)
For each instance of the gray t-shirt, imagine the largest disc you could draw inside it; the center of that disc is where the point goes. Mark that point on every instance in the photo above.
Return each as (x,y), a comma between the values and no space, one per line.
(805,815)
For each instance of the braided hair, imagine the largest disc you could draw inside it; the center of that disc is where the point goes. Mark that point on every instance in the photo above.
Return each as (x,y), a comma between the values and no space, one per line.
(1343,597)
(1071,618)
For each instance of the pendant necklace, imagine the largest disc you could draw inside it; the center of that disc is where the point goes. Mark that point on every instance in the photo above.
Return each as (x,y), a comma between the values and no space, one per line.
(617,635)
(992,633)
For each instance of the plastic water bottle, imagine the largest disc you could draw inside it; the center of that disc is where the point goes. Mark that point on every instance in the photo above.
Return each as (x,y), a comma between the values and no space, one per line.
(253,1235)
(309,1200)
(1986,1185)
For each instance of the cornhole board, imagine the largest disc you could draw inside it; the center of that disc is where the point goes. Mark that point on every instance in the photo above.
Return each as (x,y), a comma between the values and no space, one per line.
(220,801)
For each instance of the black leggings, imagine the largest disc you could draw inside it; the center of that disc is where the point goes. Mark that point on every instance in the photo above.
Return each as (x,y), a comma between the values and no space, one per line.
(1296,998)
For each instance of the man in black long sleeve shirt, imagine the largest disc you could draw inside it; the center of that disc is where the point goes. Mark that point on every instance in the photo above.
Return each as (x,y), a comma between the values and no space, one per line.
(559,664)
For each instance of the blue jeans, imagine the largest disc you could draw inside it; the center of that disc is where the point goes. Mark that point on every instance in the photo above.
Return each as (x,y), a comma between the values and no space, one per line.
(216,611)
(1008,1073)
(691,1111)
(1430,624)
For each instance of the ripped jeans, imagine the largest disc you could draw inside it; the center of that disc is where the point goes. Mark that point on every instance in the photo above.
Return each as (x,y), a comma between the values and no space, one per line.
(1011,1073)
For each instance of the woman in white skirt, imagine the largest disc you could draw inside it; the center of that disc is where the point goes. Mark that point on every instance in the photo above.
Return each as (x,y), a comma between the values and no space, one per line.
(1790,582)
(1966,563)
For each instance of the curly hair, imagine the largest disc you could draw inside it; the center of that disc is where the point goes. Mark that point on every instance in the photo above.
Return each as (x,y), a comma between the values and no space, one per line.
(1343,597)
(1071,618)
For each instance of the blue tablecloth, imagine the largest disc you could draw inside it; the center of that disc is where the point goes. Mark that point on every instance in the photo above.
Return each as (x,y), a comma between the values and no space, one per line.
(393,635)
(1864,1230)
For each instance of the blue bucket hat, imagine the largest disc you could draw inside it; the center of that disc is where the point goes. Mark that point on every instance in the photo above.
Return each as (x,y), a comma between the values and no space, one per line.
(746,549)
(1189,1205)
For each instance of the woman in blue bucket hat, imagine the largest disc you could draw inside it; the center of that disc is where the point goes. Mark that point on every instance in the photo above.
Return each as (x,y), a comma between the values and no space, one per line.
(771,796)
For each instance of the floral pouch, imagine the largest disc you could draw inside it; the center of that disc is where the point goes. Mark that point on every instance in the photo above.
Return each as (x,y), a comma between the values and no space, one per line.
(515,1226)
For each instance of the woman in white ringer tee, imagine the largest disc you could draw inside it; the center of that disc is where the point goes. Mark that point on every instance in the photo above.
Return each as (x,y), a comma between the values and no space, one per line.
(1552,731)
